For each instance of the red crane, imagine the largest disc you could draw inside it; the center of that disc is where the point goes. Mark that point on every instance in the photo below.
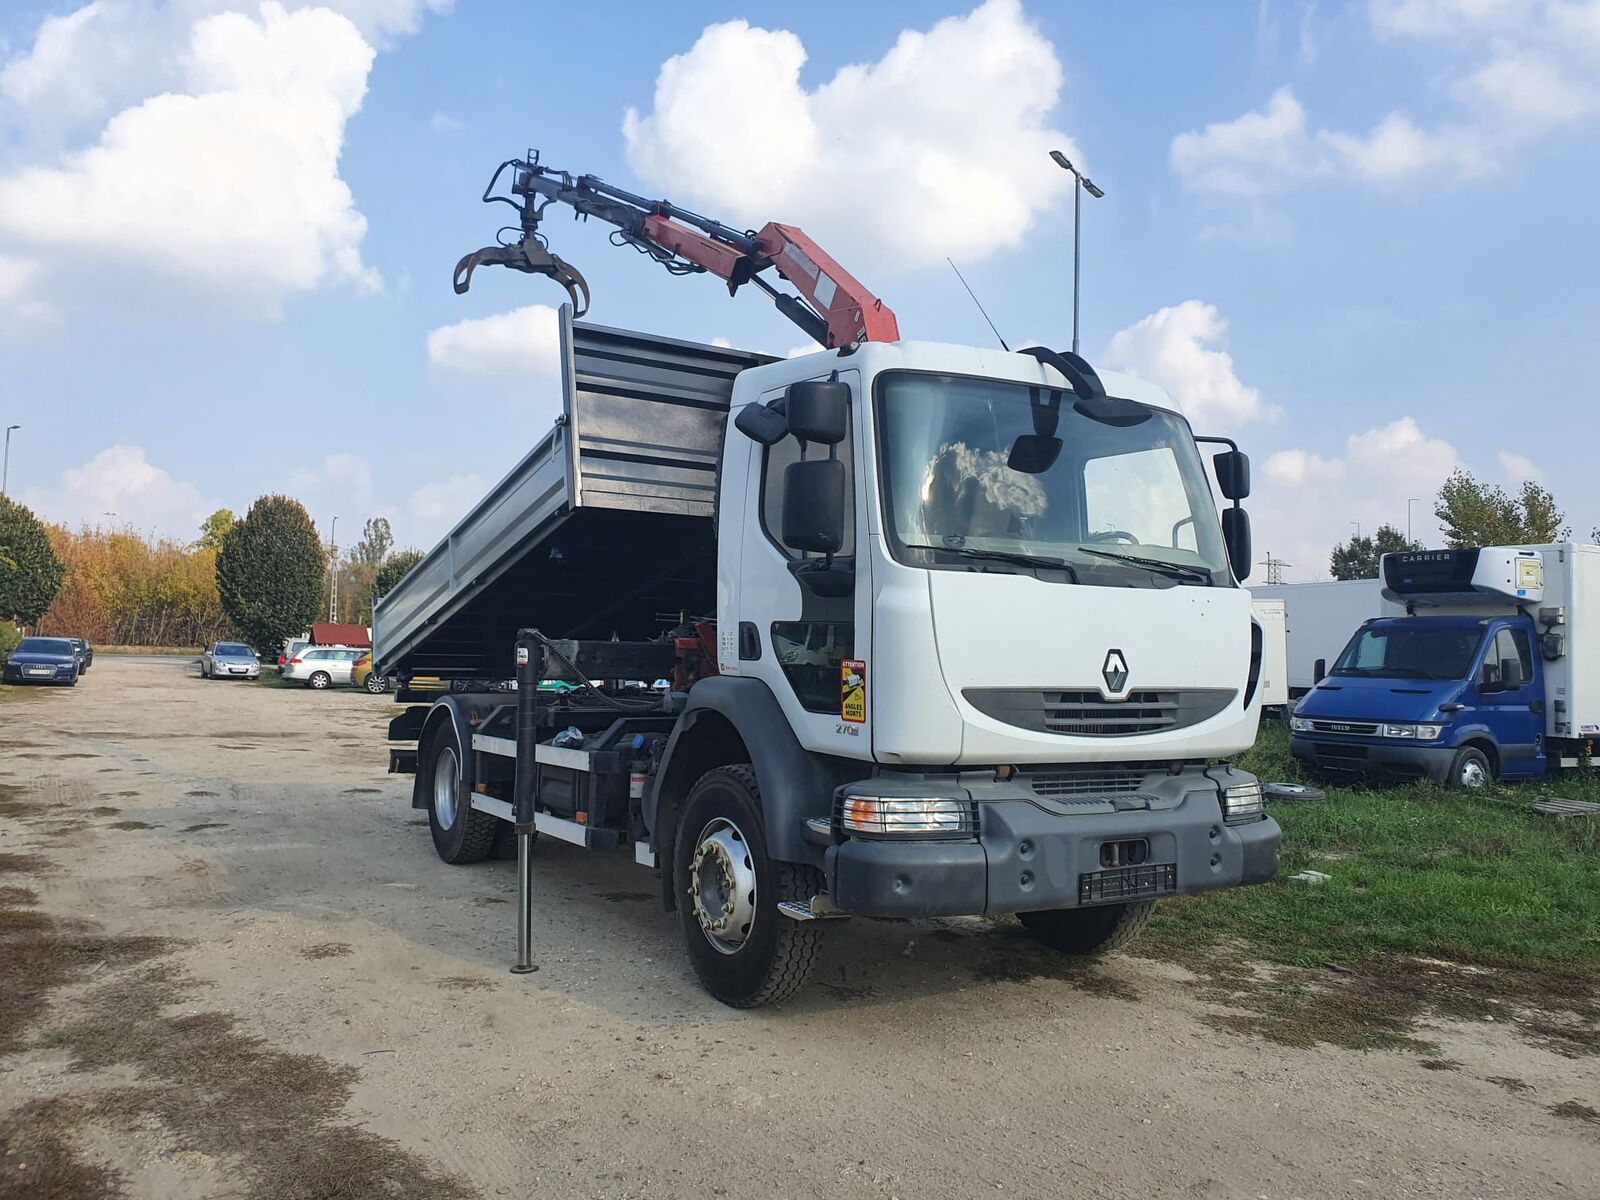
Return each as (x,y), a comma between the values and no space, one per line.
(833,307)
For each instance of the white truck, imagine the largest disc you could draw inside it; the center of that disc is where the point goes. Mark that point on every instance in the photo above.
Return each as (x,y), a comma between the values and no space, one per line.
(1319,618)
(895,629)
(1273,618)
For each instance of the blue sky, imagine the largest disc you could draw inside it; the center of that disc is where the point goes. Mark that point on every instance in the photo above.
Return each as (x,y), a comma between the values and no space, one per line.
(1360,239)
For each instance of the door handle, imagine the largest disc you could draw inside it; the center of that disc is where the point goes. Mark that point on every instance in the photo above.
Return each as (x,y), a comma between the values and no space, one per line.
(749,642)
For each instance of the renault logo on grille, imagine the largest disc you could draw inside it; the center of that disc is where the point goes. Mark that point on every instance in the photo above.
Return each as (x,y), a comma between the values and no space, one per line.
(1115,671)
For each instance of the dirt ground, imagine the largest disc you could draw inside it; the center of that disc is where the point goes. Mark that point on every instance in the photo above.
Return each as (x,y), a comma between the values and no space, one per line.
(237,969)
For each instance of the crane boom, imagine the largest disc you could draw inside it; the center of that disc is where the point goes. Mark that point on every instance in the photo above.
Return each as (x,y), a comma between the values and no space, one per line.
(833,307)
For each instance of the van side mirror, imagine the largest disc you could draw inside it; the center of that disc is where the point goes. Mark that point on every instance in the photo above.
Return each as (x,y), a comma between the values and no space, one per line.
(813,505)
(1236,536)
(1319,670)
(1233,474)
(762,423)
(819,410)
(1510,674)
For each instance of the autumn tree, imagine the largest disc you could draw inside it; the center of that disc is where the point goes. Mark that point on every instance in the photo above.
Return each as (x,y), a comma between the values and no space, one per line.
(30,572)
(1478,514)
(122,589)
(394,569)
(214,528)
(1358,558)
(270,572)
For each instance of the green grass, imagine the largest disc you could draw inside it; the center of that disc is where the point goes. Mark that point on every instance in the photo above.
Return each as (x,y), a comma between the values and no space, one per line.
(1418,871)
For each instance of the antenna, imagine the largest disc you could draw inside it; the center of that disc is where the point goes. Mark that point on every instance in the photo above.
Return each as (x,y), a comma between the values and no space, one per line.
(979,303)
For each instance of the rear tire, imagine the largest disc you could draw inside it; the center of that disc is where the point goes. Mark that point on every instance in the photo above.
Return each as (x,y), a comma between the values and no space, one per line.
(376,684)
(319,680)
(1470,770)
(745,952)
(461,834)
(1088,931)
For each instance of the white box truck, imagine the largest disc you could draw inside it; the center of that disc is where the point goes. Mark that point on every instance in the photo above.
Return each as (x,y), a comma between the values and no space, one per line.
(1272,617)
(1320,619)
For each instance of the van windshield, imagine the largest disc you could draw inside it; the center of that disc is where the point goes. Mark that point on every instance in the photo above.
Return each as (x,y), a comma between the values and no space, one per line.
(1117,504)
(1411,651)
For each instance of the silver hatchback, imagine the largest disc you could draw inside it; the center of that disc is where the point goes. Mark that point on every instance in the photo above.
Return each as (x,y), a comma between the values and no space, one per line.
(230,660)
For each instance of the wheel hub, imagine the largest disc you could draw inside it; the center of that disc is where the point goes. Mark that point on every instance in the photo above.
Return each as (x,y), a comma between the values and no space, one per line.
(722,886)
(445,777)
(1472,775)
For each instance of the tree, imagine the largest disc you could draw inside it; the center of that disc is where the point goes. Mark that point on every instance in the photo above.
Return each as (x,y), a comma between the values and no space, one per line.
(1477,514)
(1358,558)
(30,572)
(376,540)
(214,528)
(270,571)
(394,569)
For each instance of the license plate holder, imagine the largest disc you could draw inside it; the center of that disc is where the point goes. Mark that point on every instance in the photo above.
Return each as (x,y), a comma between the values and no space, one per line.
(1120,884)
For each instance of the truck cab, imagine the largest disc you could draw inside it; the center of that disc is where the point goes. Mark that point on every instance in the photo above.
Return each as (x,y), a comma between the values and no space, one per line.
(1456,699)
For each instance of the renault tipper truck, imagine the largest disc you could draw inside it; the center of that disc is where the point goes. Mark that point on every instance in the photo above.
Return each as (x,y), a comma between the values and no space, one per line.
(894,629)
(1484,667)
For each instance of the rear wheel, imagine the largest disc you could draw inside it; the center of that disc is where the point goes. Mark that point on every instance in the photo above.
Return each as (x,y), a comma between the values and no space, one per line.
(319,680)
(1087,931)
(745,952)
(377,684)
(461,834)
(1470,770)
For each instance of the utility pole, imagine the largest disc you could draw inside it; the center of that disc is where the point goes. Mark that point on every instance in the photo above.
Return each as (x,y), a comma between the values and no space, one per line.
(333,572)
(1274,568)
(1080,183)
(5,471)
(1409,503)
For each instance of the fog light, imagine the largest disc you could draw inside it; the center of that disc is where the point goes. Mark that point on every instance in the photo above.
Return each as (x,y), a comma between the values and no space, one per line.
(1242,804)
(886,816)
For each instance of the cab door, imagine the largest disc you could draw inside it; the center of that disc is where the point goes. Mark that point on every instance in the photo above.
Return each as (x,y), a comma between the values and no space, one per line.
(1510,689)
(812,650)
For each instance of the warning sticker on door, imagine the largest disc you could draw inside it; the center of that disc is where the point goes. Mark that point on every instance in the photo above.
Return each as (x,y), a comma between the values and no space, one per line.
(853,690)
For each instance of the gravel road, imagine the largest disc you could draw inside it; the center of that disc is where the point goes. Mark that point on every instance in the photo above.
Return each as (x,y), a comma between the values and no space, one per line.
(335,954)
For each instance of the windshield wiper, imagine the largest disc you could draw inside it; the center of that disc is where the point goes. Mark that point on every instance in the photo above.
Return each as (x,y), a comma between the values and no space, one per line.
(1156,565)
(1010,556)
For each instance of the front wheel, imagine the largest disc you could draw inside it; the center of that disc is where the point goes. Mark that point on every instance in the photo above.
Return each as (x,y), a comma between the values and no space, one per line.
(377,684)
(1470,770)
(745,952)
(319,680)
(1088,931)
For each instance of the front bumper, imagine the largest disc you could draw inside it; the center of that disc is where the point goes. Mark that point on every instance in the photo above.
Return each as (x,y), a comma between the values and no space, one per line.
(1034,852)
(23,675)
(1379,758)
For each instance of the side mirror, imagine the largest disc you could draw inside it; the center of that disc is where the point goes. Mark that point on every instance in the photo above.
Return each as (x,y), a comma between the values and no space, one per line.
(1233,474)
(762,423)
(813,506)
(1236,535)
(819,411)
(1033,454)
(1319,670)
(1511,674)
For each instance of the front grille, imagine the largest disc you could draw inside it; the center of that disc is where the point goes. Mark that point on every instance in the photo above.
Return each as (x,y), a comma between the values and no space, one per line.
(1088,714)
(1096,780)
(1362,727)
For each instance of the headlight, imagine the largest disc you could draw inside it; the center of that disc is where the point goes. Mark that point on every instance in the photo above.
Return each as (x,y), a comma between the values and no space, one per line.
(888,816)
(1300,724)
(1429,733)
(1422,733)
(1242,804)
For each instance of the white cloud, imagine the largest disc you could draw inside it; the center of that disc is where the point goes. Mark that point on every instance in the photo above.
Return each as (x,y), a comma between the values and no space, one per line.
(1307,504)
(1243,156)
(434,507)
(940,147)
(196,141)
(120,486)
(1176,347)
(1519,467)
(21,316)
(444,123)
(1526,87)
(1453,18)
(517,344)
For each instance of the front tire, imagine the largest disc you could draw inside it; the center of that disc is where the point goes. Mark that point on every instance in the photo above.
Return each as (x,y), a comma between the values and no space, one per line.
(319,680)
(1470,770)
(1088,931)
(377,684)
(744,951)
(461,834)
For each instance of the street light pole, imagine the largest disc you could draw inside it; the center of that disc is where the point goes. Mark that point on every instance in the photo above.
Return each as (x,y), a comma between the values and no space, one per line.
(1080,183)
(5,471)
(1409,502)
(333,572)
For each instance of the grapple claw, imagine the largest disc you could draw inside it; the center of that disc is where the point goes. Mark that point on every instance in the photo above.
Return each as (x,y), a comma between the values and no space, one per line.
(529,256)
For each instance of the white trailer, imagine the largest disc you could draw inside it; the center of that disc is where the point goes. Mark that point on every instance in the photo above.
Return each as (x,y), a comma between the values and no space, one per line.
(1321,617)
(1272,616)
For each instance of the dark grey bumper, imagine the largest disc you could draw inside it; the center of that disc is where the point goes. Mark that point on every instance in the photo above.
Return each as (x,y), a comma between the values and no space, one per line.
(1028,857)
(1384,759)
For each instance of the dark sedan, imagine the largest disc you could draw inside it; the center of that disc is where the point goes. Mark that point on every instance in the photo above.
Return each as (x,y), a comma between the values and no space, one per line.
(85,654)
(43,660)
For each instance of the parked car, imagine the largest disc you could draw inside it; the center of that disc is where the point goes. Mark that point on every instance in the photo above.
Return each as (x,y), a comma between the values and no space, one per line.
(230,660)
(85,654)
(291,648)
(43,660)
(322,666)
(362,675)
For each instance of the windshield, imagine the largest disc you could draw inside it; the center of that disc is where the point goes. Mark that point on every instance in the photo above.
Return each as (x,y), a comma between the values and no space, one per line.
(1411,651)
(1118,505)
(36,645)
(234,650)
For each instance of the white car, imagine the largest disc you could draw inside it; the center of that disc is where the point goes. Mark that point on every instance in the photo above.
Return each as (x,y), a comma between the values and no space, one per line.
(322,666)
(230,660)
